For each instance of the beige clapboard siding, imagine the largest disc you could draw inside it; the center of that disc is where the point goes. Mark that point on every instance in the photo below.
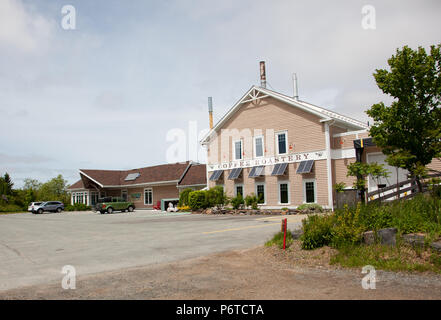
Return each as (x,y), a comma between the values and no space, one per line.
(435,165)
(294,180)
(305,131)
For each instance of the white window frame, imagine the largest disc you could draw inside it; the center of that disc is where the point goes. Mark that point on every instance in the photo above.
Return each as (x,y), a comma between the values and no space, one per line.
(285,132)
(304,190)
(241,149)
(264,192)
(278,191)
(148,204)
(235,189)
(255,148)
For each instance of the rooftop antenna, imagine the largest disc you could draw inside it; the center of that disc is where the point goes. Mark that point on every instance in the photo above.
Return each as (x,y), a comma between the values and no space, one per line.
(295,86)
(210,111)
(262,74)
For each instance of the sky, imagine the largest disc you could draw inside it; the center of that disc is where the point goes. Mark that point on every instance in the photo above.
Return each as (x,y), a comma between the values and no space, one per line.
(106,94)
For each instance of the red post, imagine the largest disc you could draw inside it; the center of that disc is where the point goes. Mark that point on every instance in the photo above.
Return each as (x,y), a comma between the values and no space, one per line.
(285,222)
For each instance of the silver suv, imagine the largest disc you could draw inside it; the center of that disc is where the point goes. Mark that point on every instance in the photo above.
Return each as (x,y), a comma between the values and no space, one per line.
(52,206)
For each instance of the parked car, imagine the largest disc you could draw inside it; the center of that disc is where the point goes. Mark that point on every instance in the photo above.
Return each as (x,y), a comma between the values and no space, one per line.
(51,206)
(111,204)
(32,205)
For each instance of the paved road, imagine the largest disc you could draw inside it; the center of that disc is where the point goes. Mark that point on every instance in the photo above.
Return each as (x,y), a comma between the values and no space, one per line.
(34,248)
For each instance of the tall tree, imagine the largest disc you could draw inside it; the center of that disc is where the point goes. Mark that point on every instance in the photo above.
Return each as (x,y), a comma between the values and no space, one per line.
(7,184)
(409,130)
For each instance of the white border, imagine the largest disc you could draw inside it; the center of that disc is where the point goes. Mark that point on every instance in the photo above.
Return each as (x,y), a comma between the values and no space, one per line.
(255,149)
(304,181)
(148,204)
(278,191)
(265,194)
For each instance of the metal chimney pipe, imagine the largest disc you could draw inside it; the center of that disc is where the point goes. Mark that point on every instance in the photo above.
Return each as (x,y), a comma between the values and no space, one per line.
(296,88)
(262,74)
(210,111)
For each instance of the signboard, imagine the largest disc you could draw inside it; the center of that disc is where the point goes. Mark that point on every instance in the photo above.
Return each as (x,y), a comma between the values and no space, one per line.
(295,157)
(135,196)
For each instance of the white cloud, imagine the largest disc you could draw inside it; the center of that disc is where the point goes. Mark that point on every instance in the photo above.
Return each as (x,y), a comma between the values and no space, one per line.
(21,28)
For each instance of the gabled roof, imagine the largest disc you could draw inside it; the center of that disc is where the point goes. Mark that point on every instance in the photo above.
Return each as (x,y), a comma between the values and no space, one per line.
(195,175)
(166,173)
(185,174)
(260,93)
(77,185)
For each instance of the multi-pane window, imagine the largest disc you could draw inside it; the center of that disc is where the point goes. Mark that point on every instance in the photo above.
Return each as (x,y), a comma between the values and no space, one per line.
(148,196)
(93,197)
(309,192)
(260,193)
(258,146)
(283,190)
(239,190)
(281,143)
(238,150)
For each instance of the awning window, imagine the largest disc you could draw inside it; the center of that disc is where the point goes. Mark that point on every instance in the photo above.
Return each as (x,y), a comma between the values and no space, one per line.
(234,174)
(216,175)
(279,169)
(256,172)
(305,166)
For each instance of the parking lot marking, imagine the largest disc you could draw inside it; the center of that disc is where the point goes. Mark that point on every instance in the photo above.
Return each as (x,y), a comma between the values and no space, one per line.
(242,228)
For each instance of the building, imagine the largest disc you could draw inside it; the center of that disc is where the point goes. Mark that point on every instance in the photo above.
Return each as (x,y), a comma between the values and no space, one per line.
(146,187)
(287,151)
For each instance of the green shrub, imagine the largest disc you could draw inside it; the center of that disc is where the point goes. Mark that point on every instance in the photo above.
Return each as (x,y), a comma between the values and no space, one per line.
(77,207)
(310,207)
(317,231)
(339,187)
(183,197)
(10,207)
(347,229)
(278,240)
(251,201)
(216,197)
(197,200)
(237,201)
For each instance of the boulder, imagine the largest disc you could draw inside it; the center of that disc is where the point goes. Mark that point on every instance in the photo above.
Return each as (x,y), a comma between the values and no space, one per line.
(209,211)
(387,236)
(415,239)
(369,237)
(436,245)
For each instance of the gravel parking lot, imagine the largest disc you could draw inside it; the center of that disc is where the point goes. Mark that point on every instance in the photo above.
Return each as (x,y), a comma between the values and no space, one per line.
(34,248)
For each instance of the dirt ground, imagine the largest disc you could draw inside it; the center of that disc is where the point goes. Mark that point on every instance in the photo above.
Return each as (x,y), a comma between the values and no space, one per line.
(256,273)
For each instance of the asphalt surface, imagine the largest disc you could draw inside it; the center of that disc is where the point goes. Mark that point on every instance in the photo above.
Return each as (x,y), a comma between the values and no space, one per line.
(34,248)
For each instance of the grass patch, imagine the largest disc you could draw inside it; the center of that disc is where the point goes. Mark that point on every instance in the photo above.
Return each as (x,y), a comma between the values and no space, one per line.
(399,258)
(277,239)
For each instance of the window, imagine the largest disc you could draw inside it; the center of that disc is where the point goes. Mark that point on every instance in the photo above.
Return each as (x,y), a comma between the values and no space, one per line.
(309,191)
(93,197)
(239,190)
(148,196)
(283,193)
(281,142)
(258,146)
(124,195)
(238,150)
(260,192)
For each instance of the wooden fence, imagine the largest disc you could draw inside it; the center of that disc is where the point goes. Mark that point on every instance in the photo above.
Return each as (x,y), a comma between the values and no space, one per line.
(410,190)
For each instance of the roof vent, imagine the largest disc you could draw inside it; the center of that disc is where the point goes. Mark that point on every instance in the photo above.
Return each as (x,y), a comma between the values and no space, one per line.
(132,176)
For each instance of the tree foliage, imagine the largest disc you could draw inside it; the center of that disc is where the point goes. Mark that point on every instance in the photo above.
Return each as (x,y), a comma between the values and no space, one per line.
(409,130)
